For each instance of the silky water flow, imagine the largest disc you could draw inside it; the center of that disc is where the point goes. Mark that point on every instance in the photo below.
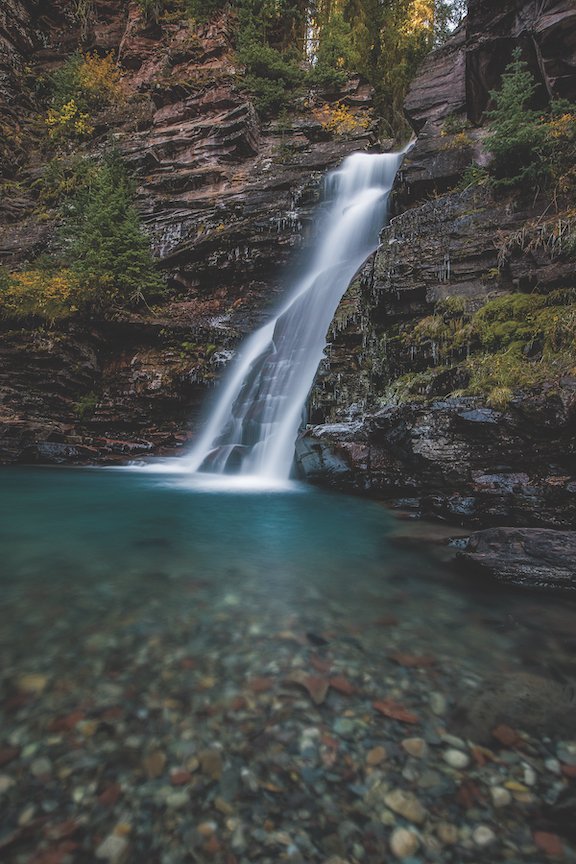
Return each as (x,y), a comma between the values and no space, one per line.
(254,424)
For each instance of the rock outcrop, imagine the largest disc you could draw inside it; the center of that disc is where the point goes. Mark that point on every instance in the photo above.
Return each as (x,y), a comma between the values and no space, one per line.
(226,198)
(457,458)
(455,81)
(440,452)
(531,558)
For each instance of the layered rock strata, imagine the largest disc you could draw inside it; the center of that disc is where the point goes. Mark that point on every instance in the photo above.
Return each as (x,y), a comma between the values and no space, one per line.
(226,198)
(454,456)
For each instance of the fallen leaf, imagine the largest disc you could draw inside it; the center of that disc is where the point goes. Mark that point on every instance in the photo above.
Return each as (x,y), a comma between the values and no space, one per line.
(505,735)
(395,711)
(342,685)
(109,796)
(550,844)
(468,795)
(320,664)
(154,764)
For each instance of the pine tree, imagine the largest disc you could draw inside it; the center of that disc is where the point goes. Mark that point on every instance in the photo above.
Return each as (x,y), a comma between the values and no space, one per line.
(104,241)
(518,133)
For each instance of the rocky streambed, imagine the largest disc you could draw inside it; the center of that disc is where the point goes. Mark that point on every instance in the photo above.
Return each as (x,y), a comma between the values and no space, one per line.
(200,675)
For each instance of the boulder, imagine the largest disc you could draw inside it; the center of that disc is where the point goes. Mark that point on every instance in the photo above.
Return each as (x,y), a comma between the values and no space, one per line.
(521,700)
(457,458)
(528,557)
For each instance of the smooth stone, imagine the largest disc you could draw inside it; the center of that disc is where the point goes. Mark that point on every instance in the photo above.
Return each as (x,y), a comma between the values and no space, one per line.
(41,767)
(429,779)
(483,836)
(376,755)
(344,727)
(33,683)
(415,747)
(553,765)
(405,804)
(438,704)
(113,849)
(26,815)
(177,800)
(211,763)
(500,797)
(566,752)
(456,759)
(6,783)
(530,775)
(447,833)
(403,843)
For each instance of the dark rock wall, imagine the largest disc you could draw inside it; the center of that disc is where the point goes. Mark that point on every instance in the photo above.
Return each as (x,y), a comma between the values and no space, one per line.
(228,202)
(453,456)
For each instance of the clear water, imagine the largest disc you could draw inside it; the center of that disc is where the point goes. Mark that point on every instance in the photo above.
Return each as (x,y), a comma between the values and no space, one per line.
(78,545)
(255,421)
(157,617)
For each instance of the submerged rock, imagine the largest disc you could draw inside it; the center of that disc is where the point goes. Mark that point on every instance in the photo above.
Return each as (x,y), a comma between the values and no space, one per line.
(528,557)
(524,700)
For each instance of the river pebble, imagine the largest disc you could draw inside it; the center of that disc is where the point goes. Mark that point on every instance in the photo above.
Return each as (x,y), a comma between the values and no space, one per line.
(456,759)
(404,843)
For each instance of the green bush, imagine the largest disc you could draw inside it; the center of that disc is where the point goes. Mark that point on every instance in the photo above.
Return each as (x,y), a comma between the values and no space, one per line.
(272,77)
(86,406)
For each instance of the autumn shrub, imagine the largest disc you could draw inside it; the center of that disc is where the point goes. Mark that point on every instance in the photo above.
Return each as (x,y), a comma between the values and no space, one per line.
(339,119)
(82,86)
(68,122)
(561,146)
(41,294)
(101,258)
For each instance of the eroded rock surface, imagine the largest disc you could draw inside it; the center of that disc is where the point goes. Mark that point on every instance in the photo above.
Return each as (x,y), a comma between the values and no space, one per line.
(436,450)
(535,558)
(228,202)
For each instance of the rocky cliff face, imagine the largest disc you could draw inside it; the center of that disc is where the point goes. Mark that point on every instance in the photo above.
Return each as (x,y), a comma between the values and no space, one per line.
(226,198)
(434,450)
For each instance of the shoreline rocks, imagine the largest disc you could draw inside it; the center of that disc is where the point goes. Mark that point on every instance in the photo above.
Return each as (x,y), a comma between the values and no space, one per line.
(527,557)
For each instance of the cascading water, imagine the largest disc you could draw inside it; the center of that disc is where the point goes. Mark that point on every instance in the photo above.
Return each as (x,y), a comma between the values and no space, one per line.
(254,424)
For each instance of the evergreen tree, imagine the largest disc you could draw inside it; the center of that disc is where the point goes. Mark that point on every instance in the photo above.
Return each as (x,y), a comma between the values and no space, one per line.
(104,242)
(518,133)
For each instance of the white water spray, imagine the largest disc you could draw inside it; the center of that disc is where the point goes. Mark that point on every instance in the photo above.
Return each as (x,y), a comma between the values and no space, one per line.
(253,427)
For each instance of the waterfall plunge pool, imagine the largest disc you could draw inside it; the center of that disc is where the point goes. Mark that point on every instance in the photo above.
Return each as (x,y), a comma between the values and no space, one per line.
(199,662)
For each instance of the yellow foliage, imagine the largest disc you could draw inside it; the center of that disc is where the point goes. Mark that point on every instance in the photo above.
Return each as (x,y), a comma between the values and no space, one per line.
(35,293)
(457,141)
(562,141)
(420,17)
(68,122)
(340,119)
(99,79)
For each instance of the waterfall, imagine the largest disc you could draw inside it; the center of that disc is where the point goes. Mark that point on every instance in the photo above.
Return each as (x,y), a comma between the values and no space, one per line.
(254,424)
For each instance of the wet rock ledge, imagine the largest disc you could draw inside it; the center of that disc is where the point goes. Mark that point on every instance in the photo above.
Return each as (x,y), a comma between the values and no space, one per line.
(536,557)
